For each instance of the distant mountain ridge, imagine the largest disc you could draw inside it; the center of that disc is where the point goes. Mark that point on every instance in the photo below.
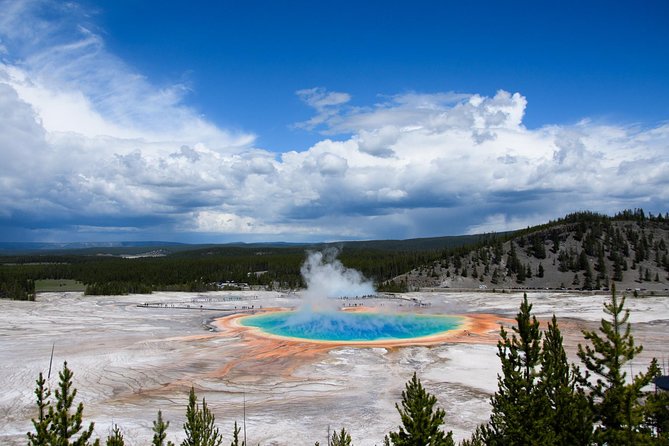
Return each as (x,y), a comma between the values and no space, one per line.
(137,247)
(20,247)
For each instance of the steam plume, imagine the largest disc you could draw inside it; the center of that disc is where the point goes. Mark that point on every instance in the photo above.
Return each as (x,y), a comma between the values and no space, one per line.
(326,277)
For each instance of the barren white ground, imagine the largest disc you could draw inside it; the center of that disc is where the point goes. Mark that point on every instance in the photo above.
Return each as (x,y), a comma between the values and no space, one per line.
(129,362)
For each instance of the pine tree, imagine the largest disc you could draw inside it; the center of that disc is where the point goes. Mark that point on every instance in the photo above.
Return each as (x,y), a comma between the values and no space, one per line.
(512,262)
(64,425)
(520,276)
(583,262)
(601,263)
(538,247)
(41,424)
(556,245)
(160,431)
(617,270)
(421,422)
(199,426)
(477,438)
(495,276)
(568,420)
(341,439)
(235,436)
(518,410)
(587,278)
(656,416)
(615,404)
(115,438)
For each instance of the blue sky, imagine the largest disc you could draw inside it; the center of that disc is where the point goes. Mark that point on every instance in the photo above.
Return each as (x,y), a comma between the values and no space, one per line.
(245,60)
(307,121)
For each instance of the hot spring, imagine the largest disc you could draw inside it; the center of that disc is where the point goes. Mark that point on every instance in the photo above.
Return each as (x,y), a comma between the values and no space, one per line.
(348,326)
(318,318)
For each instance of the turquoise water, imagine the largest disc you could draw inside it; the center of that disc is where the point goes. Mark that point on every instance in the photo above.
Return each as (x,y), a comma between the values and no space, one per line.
(348,326)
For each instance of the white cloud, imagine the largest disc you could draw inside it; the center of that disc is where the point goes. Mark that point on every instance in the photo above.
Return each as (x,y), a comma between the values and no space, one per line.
(75,85)
(85,142)
(331,164)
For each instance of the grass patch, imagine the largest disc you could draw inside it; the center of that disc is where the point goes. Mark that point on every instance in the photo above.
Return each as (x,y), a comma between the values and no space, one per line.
(55,285)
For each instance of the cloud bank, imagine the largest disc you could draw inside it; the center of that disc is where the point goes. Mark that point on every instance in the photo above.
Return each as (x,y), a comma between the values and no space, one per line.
(91,149)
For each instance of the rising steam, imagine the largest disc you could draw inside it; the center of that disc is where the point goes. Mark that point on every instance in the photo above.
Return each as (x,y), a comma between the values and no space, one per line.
(326,278)
(318,318)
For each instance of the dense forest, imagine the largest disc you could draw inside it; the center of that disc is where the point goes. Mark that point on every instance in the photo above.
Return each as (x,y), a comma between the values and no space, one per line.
(541,398)
(276,268)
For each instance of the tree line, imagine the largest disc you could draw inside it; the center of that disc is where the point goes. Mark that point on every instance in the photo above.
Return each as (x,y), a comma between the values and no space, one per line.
(615,246)
(541,399)
(203,270)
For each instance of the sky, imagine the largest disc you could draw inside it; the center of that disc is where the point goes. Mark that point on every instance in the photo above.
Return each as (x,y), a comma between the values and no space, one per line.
(302,121)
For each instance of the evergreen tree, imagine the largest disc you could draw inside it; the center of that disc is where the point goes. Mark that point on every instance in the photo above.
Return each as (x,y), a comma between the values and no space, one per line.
(518,410)
(199,426)
(115,438)
(601,263)
(587,278)
(617,270)
(520,276)
(64,425)
(160,431)
(235,436)
(41,424)
(540,271)
(421,422)
(495,276)
(340,439)
(556,245)
(477,438)
(568,419)
(512,262)
(498,251)
(616,405)
(656,416)
(537,247)
(583,262)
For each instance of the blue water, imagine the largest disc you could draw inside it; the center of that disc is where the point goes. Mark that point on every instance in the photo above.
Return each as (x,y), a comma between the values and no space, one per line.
(348,326)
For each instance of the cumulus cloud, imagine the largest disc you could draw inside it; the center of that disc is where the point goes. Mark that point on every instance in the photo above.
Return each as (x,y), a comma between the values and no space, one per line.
(90,149)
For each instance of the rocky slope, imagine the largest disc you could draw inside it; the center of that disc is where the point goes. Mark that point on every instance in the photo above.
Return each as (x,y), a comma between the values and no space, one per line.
(582,251)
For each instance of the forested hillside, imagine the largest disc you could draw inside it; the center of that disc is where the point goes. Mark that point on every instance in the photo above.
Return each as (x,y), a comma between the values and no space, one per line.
(581,251)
